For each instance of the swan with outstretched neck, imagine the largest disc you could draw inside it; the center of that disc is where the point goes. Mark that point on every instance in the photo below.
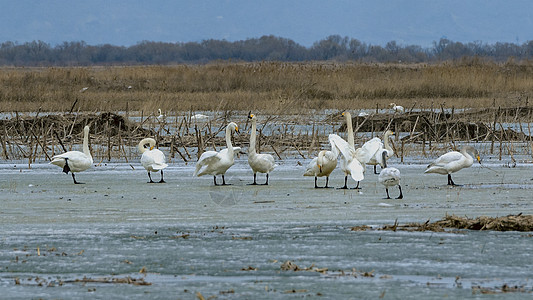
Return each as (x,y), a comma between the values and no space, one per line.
(259,162)
(452,162)
(353,160)
(217,163)
(75,161)
(152,159)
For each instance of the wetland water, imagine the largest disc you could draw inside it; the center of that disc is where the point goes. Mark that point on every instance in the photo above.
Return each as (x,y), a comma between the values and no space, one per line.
(188,237)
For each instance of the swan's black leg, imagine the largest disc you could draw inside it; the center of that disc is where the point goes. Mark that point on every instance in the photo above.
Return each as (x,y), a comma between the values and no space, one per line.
(266,183)
(345,183)
(215,179)
(387,190)
(150,176)
(376,169)
(66,168)
(450,181)
(316,186)
(255,182)
(224,181)
(162,180)
(401,194)
(327,181)
(357,186)
(75,182)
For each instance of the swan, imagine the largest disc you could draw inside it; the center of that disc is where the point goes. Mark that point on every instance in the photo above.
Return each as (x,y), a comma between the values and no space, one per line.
(384,147)
(453,161)
(397,108)
(199,117)
(363,114)
(216,163)
(153,160)
(84,89)
(161,115)
(350,164)
(262,163)
(323,165)
(389,176)
(75,161)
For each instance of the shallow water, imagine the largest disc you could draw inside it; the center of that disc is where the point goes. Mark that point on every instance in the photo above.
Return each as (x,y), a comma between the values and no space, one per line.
(230,242)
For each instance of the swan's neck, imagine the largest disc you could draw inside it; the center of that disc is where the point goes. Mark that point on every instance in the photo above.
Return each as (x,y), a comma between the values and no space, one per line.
(141,147)
(251,150)
(349,128)
(464,151)
(334,148)
(386,142)
(228,140)
(86,142)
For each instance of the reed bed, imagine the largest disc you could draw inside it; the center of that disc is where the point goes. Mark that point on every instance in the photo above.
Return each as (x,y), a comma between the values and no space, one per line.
(270,87)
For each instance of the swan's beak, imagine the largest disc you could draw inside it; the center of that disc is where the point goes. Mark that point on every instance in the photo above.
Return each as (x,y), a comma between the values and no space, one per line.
(250,116)
(151,148)
(478,159)
(320,168)
(236,129)
(343,114)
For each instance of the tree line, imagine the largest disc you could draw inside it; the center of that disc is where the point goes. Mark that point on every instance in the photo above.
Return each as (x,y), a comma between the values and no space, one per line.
(265,48)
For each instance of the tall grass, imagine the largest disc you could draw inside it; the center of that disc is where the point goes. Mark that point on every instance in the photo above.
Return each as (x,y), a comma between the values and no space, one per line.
(266,86)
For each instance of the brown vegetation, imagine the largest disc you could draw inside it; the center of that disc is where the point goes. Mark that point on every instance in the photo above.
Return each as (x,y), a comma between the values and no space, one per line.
(271,87)
(508,223)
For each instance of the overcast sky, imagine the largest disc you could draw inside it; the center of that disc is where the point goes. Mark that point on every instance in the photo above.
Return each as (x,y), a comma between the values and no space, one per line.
(408,22)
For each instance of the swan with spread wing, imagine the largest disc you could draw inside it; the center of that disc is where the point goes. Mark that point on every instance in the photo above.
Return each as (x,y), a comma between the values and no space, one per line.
(217,163)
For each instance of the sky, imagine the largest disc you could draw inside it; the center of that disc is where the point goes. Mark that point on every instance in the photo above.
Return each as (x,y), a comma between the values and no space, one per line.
(376,22)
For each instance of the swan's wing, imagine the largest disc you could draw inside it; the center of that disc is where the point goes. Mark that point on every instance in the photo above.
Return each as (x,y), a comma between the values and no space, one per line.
(77,161)
(331,156)
(225,151)
(342,145)
(356,170)
(154,159)
(312,168)
(447,158)
(368,150)
(262,162)
(207,158)
(389,176)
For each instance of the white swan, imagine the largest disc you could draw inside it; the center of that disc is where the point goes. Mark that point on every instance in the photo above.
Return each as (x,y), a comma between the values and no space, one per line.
(453,161)
(389,176)
(199,118)
(322,166)
(397,108)
(161,115)
(350,163)
(153,160)
(363,114)
(216,163)
(75,161)
(259,162)
(377,159)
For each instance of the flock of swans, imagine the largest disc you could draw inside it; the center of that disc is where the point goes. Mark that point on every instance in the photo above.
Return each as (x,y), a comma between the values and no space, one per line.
(352,161)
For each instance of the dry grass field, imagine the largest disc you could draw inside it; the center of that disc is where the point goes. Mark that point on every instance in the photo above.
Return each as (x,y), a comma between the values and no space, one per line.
(270,87)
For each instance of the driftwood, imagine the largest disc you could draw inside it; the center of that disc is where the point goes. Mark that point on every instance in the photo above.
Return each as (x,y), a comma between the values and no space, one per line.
(439,126)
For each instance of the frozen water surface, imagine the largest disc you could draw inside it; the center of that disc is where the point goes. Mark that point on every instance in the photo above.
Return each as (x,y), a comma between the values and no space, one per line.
(190,237)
